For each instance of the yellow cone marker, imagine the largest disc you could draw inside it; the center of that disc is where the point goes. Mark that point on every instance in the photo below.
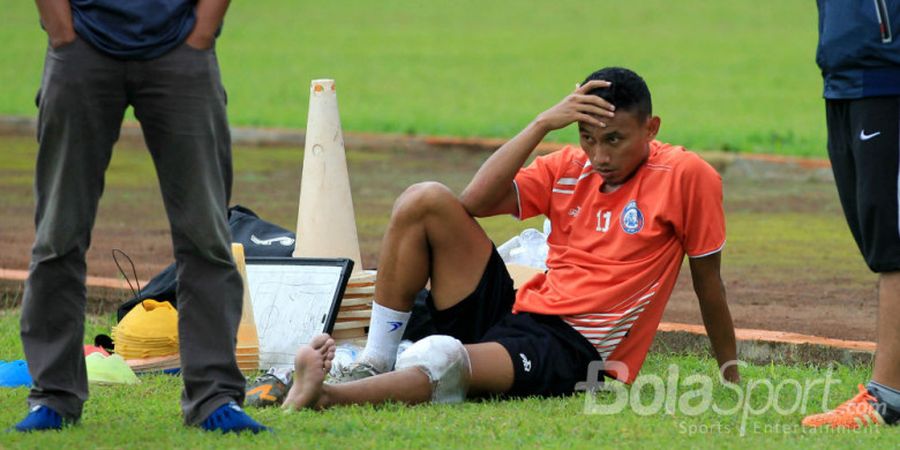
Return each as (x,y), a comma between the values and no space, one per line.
(247,349)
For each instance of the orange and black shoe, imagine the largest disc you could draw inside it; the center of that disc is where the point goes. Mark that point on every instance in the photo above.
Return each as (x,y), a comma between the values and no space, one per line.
(267,390)
(860,411)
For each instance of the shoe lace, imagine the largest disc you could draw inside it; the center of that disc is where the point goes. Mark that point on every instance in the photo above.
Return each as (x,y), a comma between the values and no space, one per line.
(265,378)
(350,368)
(357,367)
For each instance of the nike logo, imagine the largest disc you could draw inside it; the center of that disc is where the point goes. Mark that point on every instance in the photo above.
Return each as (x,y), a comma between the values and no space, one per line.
(286,241)
(865,137)
(394,326)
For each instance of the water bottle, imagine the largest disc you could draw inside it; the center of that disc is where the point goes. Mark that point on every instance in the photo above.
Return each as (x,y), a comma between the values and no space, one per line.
(534,244)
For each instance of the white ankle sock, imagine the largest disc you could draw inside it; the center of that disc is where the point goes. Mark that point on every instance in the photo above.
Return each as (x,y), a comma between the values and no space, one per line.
(385,331)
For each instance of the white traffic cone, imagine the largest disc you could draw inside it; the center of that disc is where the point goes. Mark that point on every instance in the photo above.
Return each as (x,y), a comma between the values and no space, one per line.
(326,224)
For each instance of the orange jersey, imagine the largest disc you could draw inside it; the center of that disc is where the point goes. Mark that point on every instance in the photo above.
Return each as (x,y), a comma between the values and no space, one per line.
(614,257)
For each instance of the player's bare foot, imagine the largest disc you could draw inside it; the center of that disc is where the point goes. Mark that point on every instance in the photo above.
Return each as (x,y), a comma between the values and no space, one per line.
(311,364)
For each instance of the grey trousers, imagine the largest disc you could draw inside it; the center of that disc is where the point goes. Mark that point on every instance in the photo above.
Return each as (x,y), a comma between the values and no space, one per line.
(180,102)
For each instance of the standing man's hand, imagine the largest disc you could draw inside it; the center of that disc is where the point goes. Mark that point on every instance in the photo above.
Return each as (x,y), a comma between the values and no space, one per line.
(578,106)
(209,15)
(199,40)
(56,17)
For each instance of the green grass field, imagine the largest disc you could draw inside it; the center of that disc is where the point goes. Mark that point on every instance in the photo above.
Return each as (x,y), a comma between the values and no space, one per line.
(787,245)
(725,75)
(146,415)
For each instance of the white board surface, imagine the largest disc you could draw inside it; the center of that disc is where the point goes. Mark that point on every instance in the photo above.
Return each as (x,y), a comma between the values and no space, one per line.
(291,304)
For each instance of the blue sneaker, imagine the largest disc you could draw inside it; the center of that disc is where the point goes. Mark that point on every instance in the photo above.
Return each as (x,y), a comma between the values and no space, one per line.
(230,418)
(40,418)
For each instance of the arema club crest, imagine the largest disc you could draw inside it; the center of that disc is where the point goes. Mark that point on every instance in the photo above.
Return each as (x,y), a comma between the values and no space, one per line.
(632,218)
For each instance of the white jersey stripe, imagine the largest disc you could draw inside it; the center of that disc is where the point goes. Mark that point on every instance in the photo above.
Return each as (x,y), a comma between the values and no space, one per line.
(569,181)
(650,289)
(606,324)
(610,316)
(605,350)
(605,331)
(606,345)
(605,336)
(600,322)
(723,243)
(625,324)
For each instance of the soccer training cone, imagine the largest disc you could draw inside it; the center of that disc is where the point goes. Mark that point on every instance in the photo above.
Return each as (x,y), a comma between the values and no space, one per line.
(247,348)
(326,224)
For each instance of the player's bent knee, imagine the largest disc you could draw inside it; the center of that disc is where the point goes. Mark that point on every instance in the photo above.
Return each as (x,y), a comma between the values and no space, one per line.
(423,197)
(445,361)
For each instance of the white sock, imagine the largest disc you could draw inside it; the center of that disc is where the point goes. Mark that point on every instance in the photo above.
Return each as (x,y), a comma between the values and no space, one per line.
(385,331)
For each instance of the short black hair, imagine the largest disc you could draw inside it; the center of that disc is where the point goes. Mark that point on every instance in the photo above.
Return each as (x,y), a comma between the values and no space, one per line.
(628,91)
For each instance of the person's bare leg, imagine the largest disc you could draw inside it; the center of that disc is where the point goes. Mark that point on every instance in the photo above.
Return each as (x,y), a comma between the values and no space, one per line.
(492,373)
(311,364)
(430,236)
(887,357)
(492,369)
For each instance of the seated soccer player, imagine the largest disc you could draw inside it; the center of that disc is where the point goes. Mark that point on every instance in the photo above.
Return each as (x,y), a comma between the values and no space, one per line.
(624,210)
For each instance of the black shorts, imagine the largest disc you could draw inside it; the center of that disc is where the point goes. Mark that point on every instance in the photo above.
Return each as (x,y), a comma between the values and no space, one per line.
(548,355)
(864,148)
